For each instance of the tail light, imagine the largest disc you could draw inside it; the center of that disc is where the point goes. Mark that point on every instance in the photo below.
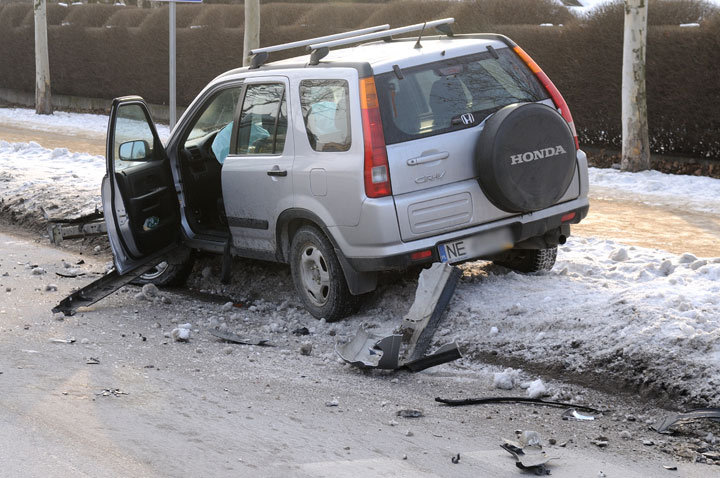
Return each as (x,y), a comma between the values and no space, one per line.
(377,169)
(551,89)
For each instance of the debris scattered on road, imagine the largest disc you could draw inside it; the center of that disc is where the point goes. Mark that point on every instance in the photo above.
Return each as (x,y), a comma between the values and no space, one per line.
(572,414)
(38,271)
(235,338)
(409,413)
(116,392)
(455,459)
(333,403)
(670,467)
(63,341)
(506,379)
(528,457)
(368,350)
(664,424)
(538,401)
(625,435)
(181,333)
(150,291)
(601,441)
(70,273)
(306,348)
(92,361)
(51,288)
(301,331)
(537,389)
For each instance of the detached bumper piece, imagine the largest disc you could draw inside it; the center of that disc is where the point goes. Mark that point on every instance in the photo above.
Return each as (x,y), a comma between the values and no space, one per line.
(664,424)
(436,286)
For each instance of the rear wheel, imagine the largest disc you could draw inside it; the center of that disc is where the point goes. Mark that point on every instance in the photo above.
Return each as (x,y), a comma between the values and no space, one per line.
(171,273)
(318,276)
(528,260)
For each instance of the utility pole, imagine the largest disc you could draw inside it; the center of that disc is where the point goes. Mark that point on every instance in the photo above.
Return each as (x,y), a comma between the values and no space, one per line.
(635,140)
(43,103)
(251,37)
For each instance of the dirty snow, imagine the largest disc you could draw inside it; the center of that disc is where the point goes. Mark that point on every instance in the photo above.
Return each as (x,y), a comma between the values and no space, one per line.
(65,184)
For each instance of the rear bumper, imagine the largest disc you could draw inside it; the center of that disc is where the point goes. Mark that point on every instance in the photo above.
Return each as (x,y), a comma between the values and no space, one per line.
(520,228)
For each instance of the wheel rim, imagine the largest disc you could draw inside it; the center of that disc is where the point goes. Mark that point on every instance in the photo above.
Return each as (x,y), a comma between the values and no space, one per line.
(155,272)
(314,275)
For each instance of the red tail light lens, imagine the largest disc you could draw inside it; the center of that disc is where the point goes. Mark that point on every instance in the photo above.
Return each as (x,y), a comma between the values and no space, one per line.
(551,89)
(567,217)
(416,256)
(377,169)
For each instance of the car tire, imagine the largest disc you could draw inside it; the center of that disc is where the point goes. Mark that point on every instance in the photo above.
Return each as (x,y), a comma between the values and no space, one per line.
(170,274)
(318,276)
(528,260)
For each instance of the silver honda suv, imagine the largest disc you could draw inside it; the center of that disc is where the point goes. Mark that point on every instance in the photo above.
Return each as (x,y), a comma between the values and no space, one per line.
(372,152)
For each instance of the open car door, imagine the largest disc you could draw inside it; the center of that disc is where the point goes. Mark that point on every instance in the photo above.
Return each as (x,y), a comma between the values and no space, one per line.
(138,191)
(140,204)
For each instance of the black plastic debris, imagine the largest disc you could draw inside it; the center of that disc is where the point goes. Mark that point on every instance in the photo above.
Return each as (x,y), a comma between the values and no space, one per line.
(455,459)
(301,331)
(235,338)
(369,350)
(664,424)
(409,413)
(538,401)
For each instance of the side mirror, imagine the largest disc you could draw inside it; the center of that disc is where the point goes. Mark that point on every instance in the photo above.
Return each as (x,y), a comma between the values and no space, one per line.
(134,151)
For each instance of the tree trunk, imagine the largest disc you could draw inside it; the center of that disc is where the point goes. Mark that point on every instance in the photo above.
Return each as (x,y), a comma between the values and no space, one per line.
(252,29)
(43,103)
(636,144)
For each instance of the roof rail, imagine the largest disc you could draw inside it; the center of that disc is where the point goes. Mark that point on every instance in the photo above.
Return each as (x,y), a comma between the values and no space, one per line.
(320,49)
(260,55)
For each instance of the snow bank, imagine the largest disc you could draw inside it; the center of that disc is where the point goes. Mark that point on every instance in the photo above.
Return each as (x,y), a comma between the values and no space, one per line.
(647,317)
(68,123)
(655,188)
(66,185)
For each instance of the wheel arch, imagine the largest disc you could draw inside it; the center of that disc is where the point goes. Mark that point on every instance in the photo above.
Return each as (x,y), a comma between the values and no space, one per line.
(288,224)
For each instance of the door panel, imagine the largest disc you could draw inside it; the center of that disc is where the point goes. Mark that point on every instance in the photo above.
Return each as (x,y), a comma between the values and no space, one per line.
(256,180)
(139,199)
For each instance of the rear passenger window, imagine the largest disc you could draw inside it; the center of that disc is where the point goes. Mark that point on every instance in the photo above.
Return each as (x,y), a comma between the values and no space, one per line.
(263,120)
(325,111)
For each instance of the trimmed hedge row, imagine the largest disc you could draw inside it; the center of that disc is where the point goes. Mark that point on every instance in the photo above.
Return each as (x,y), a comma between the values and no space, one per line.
(106,51)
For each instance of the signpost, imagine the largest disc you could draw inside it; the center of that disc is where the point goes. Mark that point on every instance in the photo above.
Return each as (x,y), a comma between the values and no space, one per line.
(171,50)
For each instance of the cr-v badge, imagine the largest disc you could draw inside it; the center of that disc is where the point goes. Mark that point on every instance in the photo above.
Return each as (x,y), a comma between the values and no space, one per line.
(432,177)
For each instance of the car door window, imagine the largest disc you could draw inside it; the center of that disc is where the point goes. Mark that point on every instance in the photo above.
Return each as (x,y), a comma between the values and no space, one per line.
(216,119)
(325,111)
(263,120)
(134,142)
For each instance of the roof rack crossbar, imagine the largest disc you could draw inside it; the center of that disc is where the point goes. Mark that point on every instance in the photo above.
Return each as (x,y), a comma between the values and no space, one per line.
(377,35)
(336,36)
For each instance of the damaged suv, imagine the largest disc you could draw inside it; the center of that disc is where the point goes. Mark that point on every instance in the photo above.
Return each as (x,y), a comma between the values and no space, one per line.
(349,161)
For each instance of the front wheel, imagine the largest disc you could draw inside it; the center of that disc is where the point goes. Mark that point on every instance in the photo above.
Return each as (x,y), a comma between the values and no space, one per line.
(528,260)
(318,276)
(171,273)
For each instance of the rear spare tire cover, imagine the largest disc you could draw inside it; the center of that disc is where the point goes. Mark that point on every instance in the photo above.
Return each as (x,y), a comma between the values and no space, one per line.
(525,157)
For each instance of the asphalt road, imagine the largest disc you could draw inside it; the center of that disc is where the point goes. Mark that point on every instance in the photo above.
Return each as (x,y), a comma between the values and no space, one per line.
(207,408)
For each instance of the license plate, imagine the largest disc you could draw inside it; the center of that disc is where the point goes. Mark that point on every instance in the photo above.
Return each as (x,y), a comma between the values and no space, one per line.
(475,246)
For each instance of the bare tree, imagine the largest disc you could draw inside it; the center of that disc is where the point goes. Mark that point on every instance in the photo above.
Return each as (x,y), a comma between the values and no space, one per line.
(251,37)
(636,144)
(43,103)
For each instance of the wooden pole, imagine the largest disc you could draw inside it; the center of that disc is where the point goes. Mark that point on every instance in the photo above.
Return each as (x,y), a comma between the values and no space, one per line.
(43,101)
(636,143)
(251,37)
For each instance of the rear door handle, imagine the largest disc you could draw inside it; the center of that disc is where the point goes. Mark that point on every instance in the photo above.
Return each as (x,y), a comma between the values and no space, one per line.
(429,158)
(276,171)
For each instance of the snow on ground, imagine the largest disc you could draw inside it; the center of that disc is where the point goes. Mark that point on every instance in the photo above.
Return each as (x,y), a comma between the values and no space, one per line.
(68,123)
(613,312)
(66,185)
(658,189)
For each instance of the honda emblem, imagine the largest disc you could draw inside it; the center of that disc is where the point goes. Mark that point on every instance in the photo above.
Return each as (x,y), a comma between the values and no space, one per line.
(467,118)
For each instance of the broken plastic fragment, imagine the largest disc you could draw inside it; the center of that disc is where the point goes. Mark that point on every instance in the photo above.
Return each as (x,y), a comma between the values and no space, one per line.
(572,414)
(232,337)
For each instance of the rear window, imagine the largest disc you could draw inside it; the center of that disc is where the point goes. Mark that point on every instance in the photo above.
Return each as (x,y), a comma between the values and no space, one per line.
(435,98)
